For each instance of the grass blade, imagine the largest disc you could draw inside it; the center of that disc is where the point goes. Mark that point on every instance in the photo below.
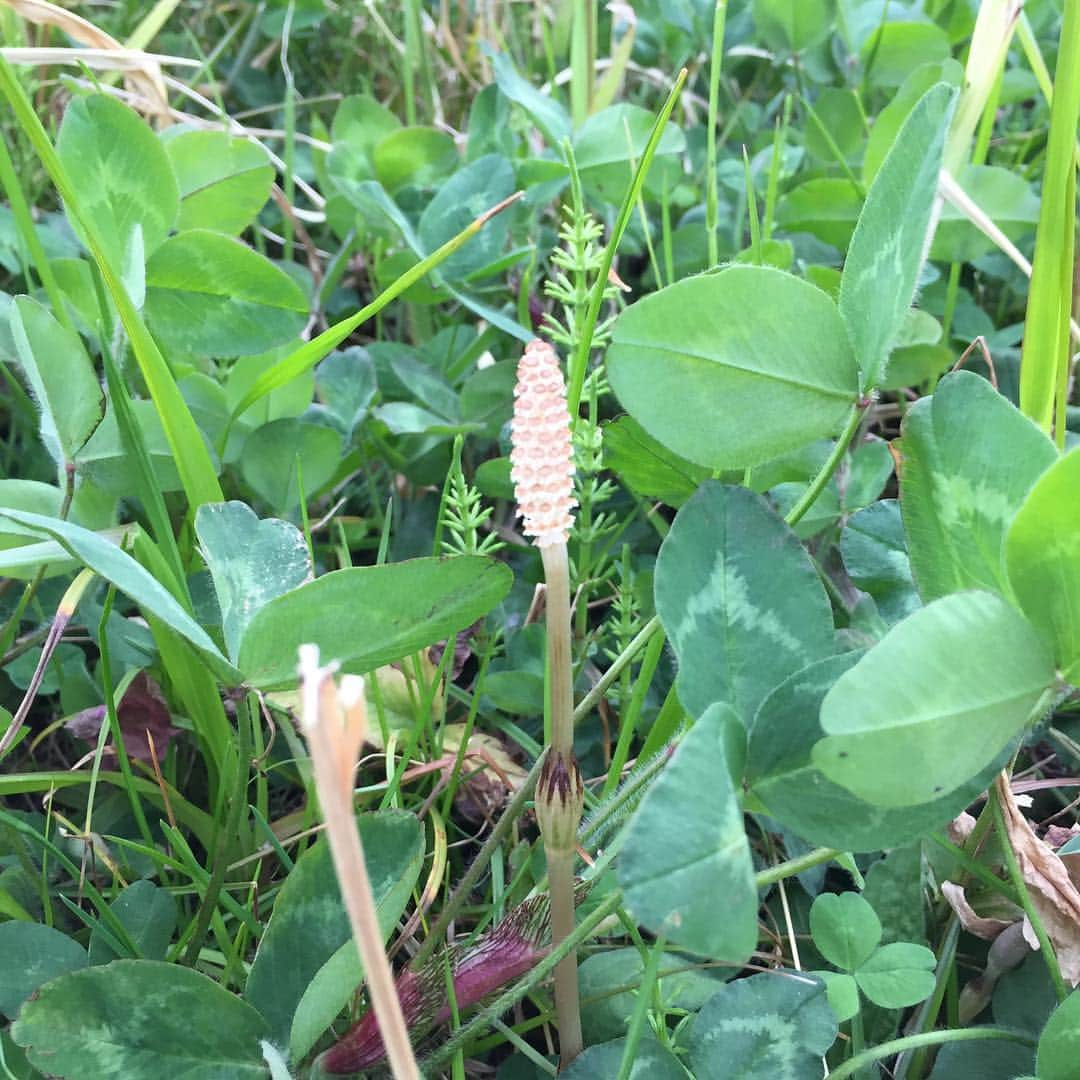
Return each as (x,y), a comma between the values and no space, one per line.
(1044,368)
(712,180)
(310,353)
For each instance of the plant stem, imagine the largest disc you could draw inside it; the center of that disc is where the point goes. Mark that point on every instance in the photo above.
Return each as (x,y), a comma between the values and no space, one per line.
(582,65)
(636,1027)
(65,611)
(560,663)
(113,721)
(612,673)
(928,1038)
(973,867)
(567,998)
(1033,54)
(772,186)
(289,151)
(858,1036)
(817,485)
(559,813)
(542,469)
(1012,864)
(927,1012)
(794,866)
(409,62)
(614,806)
(628,721)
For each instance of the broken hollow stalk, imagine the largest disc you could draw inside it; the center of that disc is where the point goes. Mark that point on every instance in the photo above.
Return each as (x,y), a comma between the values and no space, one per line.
(543,476)
(334,725)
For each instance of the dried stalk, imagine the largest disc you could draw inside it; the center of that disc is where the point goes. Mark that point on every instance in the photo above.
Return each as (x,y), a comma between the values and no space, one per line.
(334,725)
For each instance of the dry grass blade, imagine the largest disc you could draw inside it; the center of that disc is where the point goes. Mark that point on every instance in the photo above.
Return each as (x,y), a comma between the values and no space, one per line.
(119,59)
(146,78)
(951,191)
(994,28)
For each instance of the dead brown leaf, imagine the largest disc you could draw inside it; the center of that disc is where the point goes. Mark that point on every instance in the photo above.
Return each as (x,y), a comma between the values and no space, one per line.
(1055,897)
(1057,836)
(959,829)
(142,712)
(490,775)
(979,925)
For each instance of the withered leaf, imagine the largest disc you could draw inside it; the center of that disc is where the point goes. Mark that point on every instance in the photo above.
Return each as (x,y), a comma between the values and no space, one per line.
(980,926)
(142,711)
